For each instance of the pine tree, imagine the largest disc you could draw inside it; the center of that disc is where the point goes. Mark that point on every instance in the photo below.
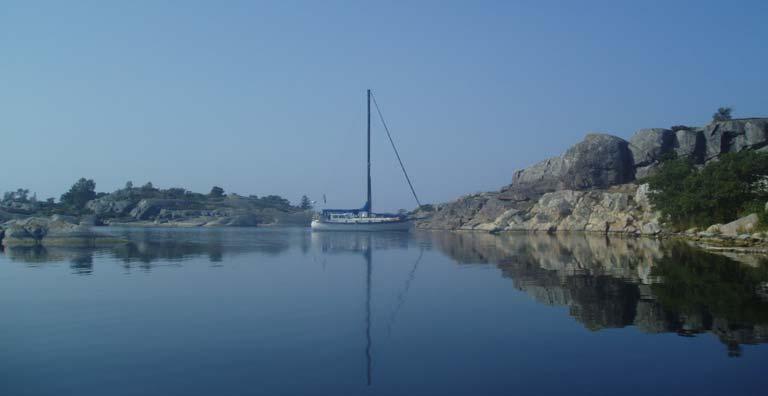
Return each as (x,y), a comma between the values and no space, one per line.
(305,204)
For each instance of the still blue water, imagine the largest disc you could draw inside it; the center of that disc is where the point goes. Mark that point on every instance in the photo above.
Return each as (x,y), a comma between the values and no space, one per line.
(289,312)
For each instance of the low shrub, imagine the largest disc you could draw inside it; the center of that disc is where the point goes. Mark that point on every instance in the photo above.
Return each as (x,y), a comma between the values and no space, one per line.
(718,193)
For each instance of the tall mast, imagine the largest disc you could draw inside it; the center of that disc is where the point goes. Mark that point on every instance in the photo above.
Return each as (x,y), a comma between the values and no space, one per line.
(369,205)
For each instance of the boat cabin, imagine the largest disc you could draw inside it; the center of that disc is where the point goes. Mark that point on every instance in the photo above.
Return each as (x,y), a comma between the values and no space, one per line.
(355,215)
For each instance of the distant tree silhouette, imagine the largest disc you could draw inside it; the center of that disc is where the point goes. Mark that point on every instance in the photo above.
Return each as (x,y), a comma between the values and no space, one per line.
(147,187)
(722,114)
(79,194)
(20,195)
(216,192)
(305,204)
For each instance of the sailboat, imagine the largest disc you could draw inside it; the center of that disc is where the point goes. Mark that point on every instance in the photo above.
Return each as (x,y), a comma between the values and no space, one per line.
(364,219)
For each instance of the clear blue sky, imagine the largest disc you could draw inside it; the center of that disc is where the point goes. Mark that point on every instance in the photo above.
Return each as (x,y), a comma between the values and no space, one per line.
(268,97)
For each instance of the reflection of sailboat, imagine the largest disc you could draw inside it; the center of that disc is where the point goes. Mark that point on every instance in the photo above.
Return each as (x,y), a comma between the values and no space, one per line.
(365,243)
(364,219)
(404,293)
(368,351)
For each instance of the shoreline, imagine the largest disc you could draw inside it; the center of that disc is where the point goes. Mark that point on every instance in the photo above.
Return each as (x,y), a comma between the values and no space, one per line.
(755,244)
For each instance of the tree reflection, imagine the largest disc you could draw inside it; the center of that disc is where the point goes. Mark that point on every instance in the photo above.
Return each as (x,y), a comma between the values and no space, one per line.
(610,283)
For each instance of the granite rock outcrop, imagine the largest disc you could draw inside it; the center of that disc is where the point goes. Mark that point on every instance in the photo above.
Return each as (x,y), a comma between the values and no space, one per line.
(596,185)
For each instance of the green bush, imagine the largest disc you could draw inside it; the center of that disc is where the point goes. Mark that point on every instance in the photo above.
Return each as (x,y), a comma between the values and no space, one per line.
(79,194)
(718,193)
(722,114)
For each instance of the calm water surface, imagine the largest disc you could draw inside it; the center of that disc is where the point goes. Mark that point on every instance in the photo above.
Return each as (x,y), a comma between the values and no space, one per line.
(288,312)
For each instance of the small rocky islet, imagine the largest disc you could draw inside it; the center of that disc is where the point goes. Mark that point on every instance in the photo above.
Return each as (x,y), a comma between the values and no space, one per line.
(57,230)
(28,225)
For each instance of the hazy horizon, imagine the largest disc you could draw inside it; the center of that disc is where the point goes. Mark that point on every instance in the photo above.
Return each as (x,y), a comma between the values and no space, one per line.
(270,98)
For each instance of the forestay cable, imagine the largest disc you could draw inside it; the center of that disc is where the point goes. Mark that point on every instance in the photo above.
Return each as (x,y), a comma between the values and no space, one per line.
(383,123)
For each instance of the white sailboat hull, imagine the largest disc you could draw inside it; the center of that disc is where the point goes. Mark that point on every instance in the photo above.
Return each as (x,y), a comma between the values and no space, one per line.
(318,225)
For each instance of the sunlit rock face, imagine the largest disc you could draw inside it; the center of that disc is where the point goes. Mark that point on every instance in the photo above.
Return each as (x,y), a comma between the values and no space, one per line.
(624,210)
(656,286)
(620,209)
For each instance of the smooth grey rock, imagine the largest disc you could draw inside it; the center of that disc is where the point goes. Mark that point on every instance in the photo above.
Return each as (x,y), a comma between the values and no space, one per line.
(743,225)
(57,230)
(649,145)
(735,135)
(690,144)
(109,206)
(598,161)
(149,208)
(544,176)
(714,228)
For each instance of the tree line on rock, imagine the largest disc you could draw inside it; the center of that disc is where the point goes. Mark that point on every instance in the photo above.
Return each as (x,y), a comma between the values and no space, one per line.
(75,200)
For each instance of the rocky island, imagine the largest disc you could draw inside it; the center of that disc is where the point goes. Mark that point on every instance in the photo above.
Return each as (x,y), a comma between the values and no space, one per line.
(26,221)
(126,207)
(599,184)
(57,230)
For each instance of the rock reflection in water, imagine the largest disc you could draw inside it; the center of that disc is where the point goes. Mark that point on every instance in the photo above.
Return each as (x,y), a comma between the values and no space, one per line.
(612,283)
(655,286)
(148,248)
(80,259)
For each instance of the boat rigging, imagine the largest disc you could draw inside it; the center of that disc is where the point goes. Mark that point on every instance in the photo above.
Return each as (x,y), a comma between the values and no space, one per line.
(364,219)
